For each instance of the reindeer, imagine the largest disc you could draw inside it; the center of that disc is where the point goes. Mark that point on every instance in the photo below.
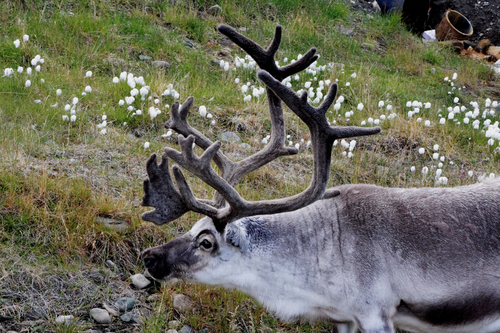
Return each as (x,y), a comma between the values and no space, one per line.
(365,257)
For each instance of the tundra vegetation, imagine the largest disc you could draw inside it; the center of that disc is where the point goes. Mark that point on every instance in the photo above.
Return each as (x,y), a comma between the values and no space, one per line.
(74,142)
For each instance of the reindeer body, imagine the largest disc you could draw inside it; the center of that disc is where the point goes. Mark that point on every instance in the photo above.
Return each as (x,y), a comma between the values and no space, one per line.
(424,260)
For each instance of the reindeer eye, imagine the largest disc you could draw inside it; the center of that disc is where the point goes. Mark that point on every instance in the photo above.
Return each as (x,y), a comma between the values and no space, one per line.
(206,244)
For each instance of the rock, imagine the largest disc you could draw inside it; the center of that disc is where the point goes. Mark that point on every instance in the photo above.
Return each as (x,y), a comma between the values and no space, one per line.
(110,263)
(139,281)
(154,298)
(133,318)
(187,329)
(172,331)
(125,304)
(100,316)
(189,43)
(160,64)
(110,310)
(67,320)
(144,57)
(182,302)
(245,145)
(230,137)
(214,10)
(173,324)
(346,31)
(114,224)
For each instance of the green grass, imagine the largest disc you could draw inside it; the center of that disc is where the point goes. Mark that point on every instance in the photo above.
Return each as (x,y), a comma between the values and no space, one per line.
(58,177)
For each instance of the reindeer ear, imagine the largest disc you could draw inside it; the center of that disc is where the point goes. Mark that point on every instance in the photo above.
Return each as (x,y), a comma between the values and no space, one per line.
(235,234)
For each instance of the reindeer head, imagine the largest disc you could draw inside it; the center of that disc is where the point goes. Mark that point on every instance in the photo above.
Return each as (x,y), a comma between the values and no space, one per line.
(211,238)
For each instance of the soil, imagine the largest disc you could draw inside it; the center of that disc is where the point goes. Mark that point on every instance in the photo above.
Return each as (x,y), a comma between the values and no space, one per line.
(483,15)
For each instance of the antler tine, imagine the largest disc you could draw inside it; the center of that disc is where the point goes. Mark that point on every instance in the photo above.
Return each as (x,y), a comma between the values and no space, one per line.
(265,58)
(200,167)
(314,117)
(178,122)
(160,192)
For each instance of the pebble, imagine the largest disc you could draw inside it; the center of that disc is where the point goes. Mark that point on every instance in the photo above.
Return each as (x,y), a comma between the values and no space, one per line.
(65,319)
(182,302)
(160,64)
(230,137)
(139,281)
(125,304)
(187,329)
(130,317)
(172,331)
(173,324)
(154,298)
(101,316)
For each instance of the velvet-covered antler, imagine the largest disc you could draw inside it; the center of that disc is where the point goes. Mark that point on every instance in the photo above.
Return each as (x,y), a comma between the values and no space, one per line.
(228,205)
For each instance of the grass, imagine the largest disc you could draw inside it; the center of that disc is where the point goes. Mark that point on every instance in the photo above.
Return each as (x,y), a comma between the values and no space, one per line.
(59,177)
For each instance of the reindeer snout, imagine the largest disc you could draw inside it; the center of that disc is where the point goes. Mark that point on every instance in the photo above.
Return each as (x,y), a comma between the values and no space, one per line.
(150,260)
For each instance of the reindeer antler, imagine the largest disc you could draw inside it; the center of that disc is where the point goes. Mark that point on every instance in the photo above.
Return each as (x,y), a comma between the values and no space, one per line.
(170,203)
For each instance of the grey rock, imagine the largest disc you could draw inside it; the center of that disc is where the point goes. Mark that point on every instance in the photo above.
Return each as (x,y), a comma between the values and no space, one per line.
(100,316)
(189,43)
(154,298)
(346,31)
(110,263)
(214,10)
(187,329)
(172,331)
(230,137)
(114,224)
(67,320)
(110,309)
(245,145)
(132,318)
(125,304)
(160,64)
(139,281)
(144,57)
(173,324)
(182,302)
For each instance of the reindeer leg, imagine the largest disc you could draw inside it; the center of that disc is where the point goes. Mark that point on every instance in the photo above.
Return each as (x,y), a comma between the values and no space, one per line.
(345,328)
(376,324)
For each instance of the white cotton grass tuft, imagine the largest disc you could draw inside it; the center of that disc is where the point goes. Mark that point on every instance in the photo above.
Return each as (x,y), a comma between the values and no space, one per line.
(8,72)
(26,38)
(421,151)
(17,42)
(202,110)
(27,83)
(88,74)
(146,145)
(88,89)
